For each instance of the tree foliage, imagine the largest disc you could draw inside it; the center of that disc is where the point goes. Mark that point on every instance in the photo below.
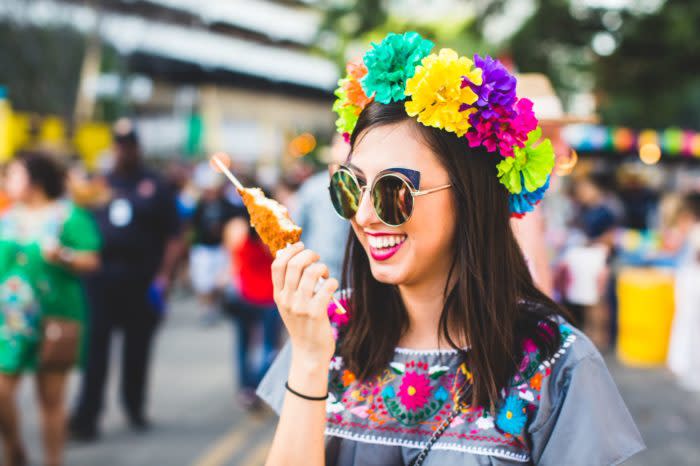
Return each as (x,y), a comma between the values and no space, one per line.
(653,77)
(41,67)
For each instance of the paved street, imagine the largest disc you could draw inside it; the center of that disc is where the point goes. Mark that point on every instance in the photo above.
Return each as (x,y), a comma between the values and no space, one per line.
(197,422)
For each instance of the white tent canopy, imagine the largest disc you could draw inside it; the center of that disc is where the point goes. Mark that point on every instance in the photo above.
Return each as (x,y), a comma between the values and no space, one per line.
(133,34)
(279,22)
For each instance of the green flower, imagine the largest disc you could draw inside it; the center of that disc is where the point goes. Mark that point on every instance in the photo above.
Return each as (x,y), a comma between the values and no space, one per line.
(391,63)
(347,113)
(530,165)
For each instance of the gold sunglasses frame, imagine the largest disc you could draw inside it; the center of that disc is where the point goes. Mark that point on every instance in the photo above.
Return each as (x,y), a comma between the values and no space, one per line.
(385,174)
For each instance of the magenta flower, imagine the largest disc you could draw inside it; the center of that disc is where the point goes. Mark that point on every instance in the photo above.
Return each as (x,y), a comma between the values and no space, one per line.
(337,316)
(414,391)
(529,346)
(509,128)
(524,363)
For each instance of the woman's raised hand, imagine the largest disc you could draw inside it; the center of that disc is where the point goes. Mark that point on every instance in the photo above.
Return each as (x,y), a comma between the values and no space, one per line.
(295,275)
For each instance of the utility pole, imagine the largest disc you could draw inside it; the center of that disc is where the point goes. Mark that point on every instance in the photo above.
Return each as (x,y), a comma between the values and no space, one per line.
(90,70)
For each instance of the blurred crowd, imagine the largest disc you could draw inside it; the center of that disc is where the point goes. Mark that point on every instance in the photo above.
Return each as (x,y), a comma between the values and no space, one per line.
(624,255)
(84,255)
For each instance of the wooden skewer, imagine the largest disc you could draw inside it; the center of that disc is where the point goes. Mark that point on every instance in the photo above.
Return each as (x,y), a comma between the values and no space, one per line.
(224,169)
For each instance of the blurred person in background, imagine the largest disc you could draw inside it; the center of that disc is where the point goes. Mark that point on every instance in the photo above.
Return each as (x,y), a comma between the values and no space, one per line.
(323,230)
(178,176)
(684,348)
(251,305)
(638,199)
(208,258)
(587,282)
(141,232)
(286,190)
(45,242)
(530,232)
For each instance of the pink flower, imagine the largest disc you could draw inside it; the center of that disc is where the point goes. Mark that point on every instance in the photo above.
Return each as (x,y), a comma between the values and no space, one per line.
(524,363)
(529,346)
(414,391)
(336,315)
(505,129)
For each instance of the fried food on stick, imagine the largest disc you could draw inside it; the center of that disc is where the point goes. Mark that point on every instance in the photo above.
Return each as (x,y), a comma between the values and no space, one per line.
(270,219)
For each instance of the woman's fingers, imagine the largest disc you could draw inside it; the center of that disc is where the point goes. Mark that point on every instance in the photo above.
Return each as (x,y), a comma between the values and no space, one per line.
(309,279)
(279,265)
(296,267)
(323,296)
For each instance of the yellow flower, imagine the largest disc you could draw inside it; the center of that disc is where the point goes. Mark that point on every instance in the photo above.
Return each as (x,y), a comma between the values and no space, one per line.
(436,91)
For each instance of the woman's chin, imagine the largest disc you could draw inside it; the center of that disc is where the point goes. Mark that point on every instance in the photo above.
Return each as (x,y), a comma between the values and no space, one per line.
(390,275)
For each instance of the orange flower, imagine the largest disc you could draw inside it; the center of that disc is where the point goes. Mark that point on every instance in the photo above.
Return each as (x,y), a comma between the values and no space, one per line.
(536,381)
(355,94)
(356,69)
(347,377)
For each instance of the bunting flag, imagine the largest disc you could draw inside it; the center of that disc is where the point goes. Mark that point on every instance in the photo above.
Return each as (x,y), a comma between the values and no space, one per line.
(673,142)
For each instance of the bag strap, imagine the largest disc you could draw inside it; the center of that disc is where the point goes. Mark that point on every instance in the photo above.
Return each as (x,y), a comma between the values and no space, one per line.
(434,438)
(441,430)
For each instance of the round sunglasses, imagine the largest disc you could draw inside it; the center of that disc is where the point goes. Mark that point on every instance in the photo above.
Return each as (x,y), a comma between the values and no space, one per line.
(392,193)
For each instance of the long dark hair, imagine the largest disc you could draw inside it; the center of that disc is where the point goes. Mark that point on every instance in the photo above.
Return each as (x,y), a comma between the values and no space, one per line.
(494,304)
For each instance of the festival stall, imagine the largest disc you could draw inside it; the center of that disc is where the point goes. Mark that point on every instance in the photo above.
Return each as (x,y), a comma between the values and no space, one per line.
(644,266)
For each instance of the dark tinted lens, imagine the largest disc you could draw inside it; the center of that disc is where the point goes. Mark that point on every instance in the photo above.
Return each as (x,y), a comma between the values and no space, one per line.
(392,200)
(345,193)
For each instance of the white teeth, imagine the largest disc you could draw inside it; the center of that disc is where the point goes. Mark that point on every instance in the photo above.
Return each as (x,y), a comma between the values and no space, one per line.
(381,242)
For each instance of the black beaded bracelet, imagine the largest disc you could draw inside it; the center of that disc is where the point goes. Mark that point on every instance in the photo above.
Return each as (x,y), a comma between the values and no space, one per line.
(306,397)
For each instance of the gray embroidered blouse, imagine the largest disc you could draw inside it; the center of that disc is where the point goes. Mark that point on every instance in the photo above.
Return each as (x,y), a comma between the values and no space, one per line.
(561,411)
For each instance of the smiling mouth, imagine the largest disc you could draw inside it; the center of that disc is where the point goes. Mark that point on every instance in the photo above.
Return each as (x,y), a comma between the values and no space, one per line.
(382,247)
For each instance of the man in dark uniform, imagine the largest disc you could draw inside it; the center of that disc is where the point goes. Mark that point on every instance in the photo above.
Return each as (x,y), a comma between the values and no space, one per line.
(141,243)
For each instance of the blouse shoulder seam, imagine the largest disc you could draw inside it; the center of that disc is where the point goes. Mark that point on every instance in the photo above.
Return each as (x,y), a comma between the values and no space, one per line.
(563,348)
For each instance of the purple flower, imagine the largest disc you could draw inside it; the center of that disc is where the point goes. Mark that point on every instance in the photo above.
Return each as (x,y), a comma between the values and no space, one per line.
(497,88)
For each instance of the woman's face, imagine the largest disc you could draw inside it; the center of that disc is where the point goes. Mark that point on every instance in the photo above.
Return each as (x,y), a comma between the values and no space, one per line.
(425,241)
(17,183)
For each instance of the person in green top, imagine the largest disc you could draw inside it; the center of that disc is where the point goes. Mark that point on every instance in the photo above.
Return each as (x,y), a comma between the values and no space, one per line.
(45,243)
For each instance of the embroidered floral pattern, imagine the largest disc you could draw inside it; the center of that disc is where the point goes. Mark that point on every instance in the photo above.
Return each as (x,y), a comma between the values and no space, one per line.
(513,416)
(336,315)
(418,390)
(415,390)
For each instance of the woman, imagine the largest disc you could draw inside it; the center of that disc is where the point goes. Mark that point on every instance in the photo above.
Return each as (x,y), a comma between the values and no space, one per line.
(449,355)
(45,242)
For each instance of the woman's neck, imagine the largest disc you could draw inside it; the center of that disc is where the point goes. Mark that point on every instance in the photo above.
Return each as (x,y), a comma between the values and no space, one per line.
(423,303)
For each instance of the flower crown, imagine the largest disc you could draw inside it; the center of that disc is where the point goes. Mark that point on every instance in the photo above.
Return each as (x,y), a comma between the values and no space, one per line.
(475,99)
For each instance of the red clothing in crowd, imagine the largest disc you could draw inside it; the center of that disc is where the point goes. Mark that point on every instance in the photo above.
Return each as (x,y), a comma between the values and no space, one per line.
(253,261)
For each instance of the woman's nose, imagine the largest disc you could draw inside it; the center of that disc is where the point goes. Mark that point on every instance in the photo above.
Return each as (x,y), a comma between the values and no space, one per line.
(366,215)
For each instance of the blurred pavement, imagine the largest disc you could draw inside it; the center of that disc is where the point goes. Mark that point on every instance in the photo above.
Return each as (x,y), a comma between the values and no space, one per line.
(195,417)
(197,422)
